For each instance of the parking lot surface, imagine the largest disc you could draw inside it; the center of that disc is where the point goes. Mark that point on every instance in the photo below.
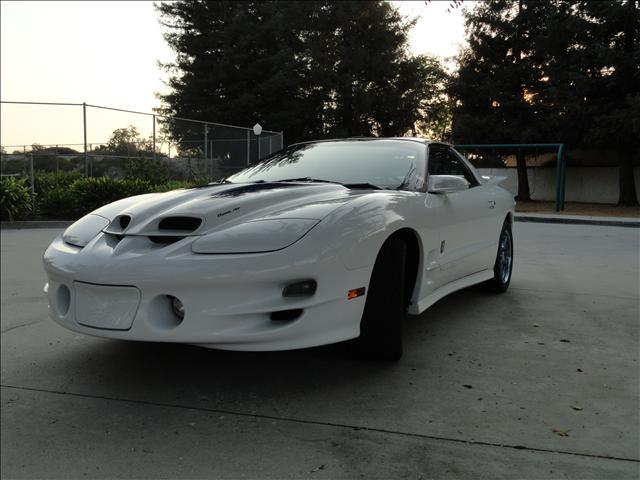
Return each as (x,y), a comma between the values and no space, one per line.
(541,382)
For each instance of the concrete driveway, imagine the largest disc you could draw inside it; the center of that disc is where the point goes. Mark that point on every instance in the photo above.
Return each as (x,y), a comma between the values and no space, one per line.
(541,382)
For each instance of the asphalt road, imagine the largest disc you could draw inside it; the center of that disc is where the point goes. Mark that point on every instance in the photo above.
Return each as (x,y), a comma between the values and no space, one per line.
(541,382)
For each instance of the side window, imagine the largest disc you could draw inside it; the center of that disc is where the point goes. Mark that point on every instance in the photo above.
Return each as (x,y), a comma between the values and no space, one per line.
(442,161)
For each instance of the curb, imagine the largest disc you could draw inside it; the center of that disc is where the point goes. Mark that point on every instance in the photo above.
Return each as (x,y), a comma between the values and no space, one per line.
(578,221)
(35,224)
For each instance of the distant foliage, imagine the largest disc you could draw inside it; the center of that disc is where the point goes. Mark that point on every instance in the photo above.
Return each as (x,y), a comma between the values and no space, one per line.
(15,198)
(154,171)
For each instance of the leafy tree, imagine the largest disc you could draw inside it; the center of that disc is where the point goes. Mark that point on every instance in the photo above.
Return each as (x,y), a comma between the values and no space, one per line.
(314,69)
(126,141)
(556,71)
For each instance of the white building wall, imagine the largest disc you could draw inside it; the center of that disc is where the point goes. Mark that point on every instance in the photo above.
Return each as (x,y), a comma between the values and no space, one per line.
(584,184)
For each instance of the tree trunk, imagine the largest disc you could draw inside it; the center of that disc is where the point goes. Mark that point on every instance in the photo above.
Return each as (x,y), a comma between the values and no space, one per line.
(628,194)
(523,177)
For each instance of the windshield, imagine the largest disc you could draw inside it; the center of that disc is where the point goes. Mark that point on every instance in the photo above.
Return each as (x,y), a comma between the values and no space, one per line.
(390,164)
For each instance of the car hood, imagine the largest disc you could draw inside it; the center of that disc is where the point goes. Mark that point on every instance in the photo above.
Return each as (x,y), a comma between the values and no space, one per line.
(199,211)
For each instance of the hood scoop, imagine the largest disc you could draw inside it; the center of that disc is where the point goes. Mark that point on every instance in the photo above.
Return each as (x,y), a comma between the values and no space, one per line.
(181,225)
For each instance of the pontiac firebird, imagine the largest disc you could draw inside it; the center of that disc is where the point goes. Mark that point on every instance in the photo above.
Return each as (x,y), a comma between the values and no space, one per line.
(321,242)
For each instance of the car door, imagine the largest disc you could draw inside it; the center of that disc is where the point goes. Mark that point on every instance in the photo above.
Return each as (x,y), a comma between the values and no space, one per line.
(465,219)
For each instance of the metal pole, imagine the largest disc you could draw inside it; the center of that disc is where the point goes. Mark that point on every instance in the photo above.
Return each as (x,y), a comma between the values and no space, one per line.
(84,125)
(562,176)
(270,147)
(33,189)
(205,141)
(57,165)
(281,140)
(258,140)
(248,148)
(154,138)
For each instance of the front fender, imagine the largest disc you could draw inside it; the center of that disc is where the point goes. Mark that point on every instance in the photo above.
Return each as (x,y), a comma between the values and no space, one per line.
(357,230)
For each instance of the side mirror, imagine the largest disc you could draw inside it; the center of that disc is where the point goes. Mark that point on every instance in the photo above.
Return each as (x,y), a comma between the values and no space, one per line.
(446,184)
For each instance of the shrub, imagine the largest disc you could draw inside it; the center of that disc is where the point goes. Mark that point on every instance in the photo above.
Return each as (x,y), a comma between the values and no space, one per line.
(47,181)
(58,202)
(15,198)
(155,171)
(92,193)
(176,184)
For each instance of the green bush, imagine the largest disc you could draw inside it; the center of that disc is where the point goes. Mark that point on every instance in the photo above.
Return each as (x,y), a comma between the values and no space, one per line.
(176,184)
(155,171)
(92,193)
(47,181)
(15,198)
(58,202)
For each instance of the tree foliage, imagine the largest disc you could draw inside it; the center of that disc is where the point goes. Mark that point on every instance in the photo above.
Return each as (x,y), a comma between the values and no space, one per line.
(313,69)
(126,141)
(556,71)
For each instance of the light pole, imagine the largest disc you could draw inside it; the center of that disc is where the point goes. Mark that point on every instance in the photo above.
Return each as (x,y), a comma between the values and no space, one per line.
(257,130)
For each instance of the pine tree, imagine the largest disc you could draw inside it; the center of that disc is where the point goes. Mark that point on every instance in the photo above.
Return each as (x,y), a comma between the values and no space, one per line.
(314,69)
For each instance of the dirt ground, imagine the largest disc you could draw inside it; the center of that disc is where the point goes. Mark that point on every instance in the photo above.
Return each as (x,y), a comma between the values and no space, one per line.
(574,208)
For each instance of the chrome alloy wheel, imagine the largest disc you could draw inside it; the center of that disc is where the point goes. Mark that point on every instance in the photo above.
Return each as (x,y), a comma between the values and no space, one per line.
(505,256)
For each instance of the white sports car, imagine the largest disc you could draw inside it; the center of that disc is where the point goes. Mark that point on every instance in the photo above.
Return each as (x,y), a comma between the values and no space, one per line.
(322,242)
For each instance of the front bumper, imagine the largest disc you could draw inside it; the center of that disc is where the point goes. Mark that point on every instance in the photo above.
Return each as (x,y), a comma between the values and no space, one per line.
(228,299)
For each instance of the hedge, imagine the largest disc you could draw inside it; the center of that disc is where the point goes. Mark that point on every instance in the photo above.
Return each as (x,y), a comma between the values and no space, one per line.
(69,195)
(16,200)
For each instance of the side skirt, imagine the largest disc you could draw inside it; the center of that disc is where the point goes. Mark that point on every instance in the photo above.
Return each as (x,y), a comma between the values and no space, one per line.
(445,290)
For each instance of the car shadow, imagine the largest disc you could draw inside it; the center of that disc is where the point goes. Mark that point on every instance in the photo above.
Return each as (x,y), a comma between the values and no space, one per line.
(229,380)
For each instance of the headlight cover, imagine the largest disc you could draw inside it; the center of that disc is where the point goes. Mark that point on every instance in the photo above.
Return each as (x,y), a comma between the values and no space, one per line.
(255,237)
(84,230)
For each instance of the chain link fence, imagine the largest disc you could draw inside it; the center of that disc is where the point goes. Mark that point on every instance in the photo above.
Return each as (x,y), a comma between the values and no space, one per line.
(144,147)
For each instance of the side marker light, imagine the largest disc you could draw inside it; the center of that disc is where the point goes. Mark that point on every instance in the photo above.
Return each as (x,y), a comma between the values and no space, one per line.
(355,293)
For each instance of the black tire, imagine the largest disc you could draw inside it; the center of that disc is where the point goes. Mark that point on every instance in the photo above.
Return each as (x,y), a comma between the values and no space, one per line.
(385,307)
(503,266)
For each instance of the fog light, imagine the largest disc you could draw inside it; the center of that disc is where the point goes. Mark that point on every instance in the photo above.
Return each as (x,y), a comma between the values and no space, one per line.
(305,288)
(177,307)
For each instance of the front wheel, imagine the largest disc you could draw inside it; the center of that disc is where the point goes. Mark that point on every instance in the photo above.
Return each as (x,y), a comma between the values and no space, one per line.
(504,261)
(385,306)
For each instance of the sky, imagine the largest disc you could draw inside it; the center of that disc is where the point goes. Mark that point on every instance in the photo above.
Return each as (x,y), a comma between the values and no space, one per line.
(107,53)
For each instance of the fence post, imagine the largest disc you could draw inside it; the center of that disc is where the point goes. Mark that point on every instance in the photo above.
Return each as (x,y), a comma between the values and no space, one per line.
(248,148)
(562,166)
(154,138)
(211,154)
(56,154)
(84,125)
(33,189)
(205,142)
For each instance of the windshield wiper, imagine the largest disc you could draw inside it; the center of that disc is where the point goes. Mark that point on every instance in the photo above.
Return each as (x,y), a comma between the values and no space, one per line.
(306,179)
(348,185)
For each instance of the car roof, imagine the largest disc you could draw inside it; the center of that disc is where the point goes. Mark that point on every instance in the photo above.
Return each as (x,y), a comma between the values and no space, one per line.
(360,139)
